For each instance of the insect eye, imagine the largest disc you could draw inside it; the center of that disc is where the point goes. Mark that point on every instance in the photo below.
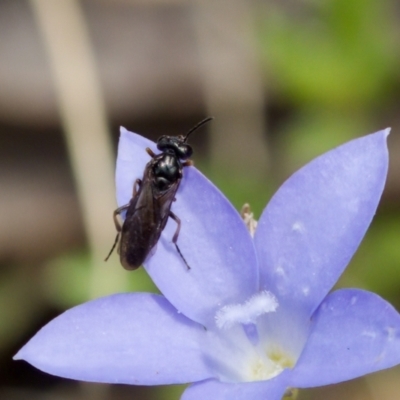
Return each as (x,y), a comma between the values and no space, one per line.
(185,151)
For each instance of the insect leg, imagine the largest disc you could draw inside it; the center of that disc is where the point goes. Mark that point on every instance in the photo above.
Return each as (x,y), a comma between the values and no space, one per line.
(150,152)
(116,213)
(175,237)
(187,163)
(117,226)
(137,183)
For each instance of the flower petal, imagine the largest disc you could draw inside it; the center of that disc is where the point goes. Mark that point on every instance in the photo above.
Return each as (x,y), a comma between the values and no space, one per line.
(354,333)
(126,338)
(213,239)
(272,389)
(315,222)
(217,247)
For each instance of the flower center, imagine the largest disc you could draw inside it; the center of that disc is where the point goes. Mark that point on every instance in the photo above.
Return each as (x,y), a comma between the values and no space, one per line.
(276,355)
(243,350)
(266,365)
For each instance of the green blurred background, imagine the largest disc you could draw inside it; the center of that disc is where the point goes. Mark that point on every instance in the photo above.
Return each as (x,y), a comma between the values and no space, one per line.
(285,80)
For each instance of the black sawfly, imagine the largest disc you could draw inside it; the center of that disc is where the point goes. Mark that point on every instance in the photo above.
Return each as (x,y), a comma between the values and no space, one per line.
(148,210)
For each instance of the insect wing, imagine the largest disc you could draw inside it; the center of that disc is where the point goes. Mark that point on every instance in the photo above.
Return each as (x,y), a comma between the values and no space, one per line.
(145,220)
(138,227)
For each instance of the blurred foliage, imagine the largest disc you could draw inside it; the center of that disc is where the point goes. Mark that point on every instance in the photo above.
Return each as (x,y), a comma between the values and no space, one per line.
(335,64)
(20,303)
(343,54)
(313,132)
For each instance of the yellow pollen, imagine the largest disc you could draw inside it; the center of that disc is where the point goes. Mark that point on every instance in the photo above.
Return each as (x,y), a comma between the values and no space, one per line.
(268,365)
(277,356)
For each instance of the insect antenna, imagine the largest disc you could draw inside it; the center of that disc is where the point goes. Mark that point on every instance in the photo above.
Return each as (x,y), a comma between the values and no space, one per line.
(197,126)
(113,247)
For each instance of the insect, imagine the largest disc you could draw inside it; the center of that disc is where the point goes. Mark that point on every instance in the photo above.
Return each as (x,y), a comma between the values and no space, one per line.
(148,211)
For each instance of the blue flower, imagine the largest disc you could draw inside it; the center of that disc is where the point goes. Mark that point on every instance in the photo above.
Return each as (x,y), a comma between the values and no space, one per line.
(253,316)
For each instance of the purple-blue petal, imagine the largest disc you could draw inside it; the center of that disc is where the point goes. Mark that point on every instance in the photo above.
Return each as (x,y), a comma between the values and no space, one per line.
(315,222)
(127,338)
(217,247)
(213,239)
(272,389)
(354,333)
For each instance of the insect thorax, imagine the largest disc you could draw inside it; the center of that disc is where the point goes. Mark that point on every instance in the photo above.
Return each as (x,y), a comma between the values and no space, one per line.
(167,170)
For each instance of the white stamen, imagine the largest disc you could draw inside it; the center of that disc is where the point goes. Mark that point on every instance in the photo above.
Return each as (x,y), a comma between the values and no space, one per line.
(248,312)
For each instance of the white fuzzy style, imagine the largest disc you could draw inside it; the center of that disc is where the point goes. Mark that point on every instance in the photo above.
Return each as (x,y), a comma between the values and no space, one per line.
(248,312)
